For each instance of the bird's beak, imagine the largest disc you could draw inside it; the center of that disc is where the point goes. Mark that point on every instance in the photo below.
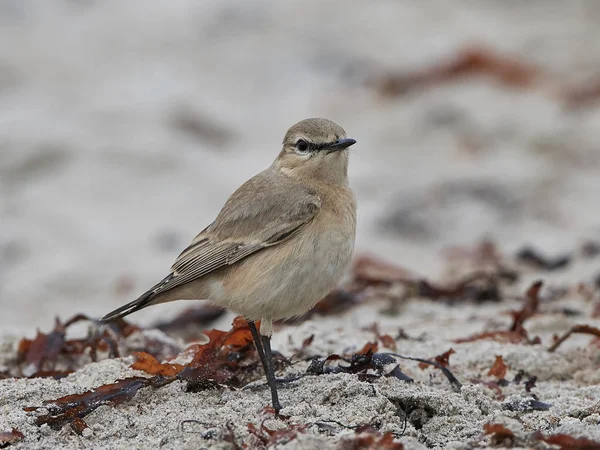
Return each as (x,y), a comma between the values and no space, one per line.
(340,144)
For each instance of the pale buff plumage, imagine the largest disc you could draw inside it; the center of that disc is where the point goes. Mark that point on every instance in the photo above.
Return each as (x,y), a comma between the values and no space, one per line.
(280,244)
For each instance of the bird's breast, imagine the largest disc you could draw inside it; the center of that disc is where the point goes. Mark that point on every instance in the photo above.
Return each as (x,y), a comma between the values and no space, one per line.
(288,279)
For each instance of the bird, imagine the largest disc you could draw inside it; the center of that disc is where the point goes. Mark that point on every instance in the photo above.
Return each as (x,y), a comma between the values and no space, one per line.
(281,242)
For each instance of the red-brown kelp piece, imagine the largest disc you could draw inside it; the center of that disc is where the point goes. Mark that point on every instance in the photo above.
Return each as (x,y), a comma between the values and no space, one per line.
(52,355)
(268,437)
(517,333)
(367,438)
(224,360)
(566,442)
(10,437)
(72,408)
(508,71)
(500,434)
(387,340)
(513,337)
(369,271)
(41,353)
(582,329)
(498,369)
(442,359)
(530,307)
(149,364)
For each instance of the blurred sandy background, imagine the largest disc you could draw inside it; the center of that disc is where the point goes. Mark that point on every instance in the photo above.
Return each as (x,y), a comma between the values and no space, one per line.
(124,126)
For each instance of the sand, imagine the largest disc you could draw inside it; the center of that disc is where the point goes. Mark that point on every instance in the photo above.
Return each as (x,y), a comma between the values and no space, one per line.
(124,132)
(438,417)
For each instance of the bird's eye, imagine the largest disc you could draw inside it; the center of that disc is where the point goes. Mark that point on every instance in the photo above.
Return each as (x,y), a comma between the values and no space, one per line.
(302,146)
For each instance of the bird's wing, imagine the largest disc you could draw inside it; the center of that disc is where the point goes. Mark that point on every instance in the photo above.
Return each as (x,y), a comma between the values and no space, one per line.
(263,212)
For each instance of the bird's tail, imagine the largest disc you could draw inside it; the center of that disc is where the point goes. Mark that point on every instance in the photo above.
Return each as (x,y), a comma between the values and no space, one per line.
(146,299)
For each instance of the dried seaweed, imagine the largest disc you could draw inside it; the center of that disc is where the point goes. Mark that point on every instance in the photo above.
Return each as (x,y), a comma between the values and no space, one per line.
(10,437)
(507,71)
(498,369)
(530,383)
(566,442)
(535,259)
(367,438)
(228,358)
(268,437)
(53,355)
(500,435)
(443,360)
(72,408)
(584,95)
(41,353)
(358,363)
(596,310)
(517,333)
(39,357)
(590,249)
(191,320)
(513,337)
(493,385)
(396,372)
(530,307)
(338,301)
(478,287)
(201,127)
(371,271)
(149,364)
(387,340)
(456,386)
(525,405)
(582,329)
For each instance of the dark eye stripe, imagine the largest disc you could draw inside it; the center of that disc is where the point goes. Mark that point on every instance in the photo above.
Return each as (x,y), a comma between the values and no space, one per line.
(316,147)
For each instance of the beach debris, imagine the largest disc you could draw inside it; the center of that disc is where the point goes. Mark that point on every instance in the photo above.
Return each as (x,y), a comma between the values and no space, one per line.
(71,409)
(337,302)
(500,435)
(498,369)
(367,438)
(54,355)
(191,321)
(508,71)
(10,437)
(516,334)
(443,359)
(268,437)
(576,329)
(566,442)
(520,404)
(533,258)
(360,362)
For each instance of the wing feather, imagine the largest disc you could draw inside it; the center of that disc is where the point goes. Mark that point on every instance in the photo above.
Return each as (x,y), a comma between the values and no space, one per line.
(255,217)
(244,226)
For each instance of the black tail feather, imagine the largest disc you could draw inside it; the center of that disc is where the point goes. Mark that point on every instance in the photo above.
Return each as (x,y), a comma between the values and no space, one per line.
(146,299)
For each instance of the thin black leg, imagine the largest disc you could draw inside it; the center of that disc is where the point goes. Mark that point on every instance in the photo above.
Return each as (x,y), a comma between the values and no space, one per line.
(257,342)
(263,346)
(266,340)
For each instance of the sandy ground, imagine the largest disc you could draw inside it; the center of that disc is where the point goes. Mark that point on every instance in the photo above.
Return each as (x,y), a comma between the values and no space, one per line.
(426,414)
(125,126)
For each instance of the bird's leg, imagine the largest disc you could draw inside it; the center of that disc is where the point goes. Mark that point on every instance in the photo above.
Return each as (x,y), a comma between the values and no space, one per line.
(263,346)
(257,342)
(270,371)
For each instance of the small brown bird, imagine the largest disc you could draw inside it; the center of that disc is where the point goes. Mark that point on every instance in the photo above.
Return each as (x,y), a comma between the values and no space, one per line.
(280,244)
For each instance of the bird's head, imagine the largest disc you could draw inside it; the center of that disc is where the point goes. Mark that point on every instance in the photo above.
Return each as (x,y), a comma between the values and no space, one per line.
(315,149)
